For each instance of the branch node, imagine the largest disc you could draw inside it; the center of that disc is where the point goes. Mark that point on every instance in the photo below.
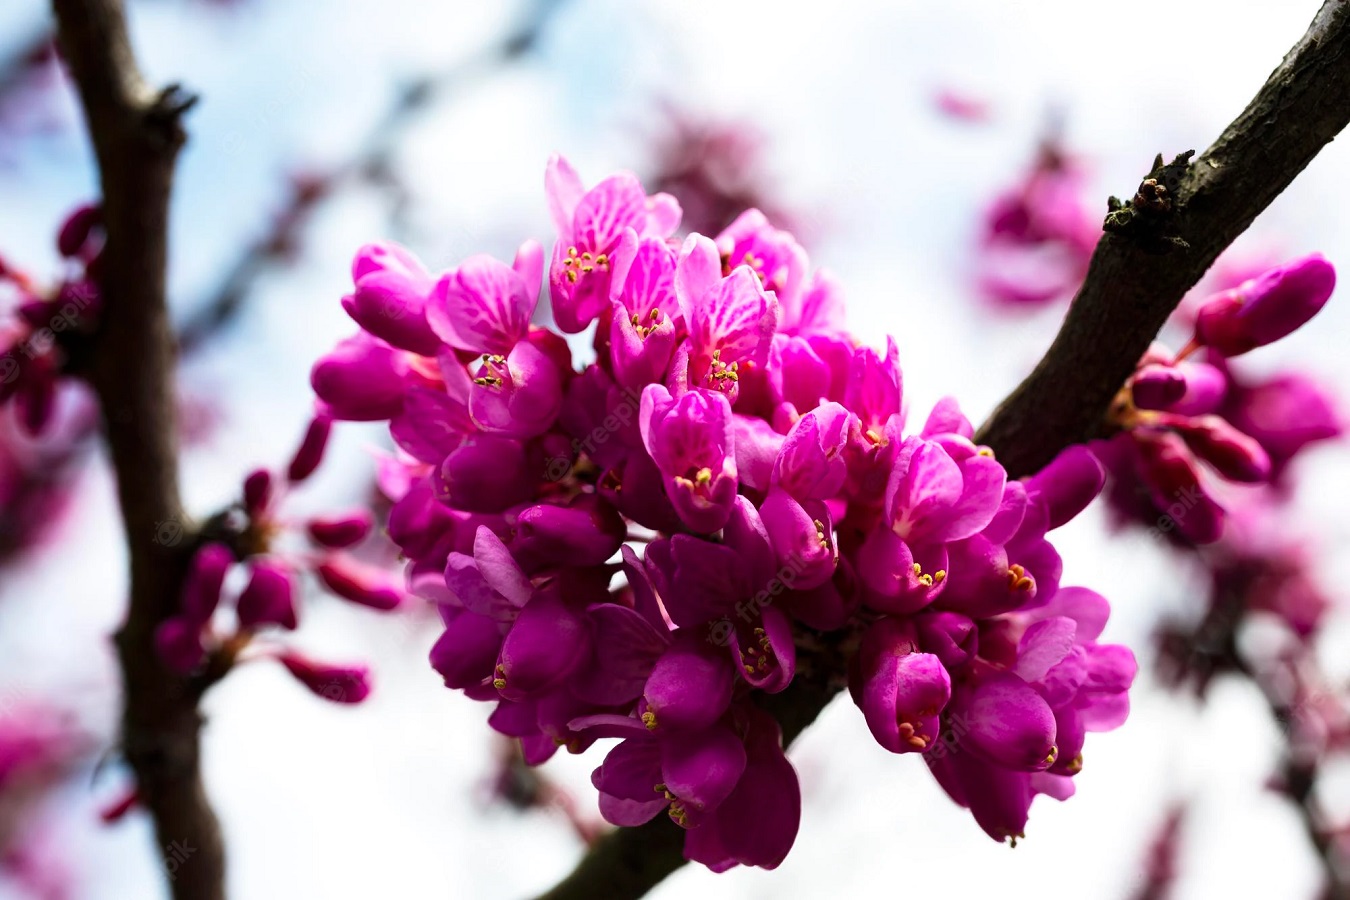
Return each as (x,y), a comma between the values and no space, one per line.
(165,114)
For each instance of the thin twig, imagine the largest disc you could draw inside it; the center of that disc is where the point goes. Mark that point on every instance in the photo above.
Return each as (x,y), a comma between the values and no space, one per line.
(372,161)
(137,133)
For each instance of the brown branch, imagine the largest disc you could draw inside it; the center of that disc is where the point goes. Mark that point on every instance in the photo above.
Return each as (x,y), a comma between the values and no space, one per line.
(1139,273)
(137,133)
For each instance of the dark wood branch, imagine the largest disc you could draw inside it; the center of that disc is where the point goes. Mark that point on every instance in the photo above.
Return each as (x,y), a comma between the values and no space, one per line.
(1139,273)
(137,132)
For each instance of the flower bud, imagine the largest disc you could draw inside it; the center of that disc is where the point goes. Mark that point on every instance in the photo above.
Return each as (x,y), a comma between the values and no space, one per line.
(205,579)
(360,583)
(360,380)
(310,453)
(336,684)
(337,532)
(1267,308)
(178,642)
(77,229)
(257,491)
(268,599)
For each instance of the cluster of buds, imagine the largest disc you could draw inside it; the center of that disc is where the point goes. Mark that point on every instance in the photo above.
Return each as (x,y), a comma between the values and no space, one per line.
(201,636)
(37,325)
(642,549)
(1177,412)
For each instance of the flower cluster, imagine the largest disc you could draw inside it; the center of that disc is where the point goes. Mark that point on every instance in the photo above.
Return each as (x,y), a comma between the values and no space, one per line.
(734,432)
(200,638)
(1178,411)
(39,324)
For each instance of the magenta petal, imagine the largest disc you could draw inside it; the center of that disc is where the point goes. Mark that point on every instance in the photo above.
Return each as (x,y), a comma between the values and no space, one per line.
(548,641)
(1236,456)
(629,813)
(392,307)
(204,582)
(483,306)
(310,452)
(1266,308)
(466,652)
(757,448)
(998,798)
(339,531)
(431,425)
(1009,723)
(626,649)
(690,685)
(360,582)
(268,598)
(702,768)
(517,396)
(758,823)
(584,533)
(902,691)
(767,654)
(947,418)
(360,380)
(1067,484)
(887,568)
(925,483)
(631,770)
(802,536)
(810,465)
(951,637)
(485,474)
(1044,645)
(178,642)
(1088,609)
(336,684)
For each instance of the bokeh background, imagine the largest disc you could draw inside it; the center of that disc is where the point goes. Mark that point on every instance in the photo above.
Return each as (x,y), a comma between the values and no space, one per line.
(420,128)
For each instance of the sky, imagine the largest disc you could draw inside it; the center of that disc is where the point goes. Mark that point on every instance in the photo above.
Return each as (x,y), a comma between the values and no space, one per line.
(388,799)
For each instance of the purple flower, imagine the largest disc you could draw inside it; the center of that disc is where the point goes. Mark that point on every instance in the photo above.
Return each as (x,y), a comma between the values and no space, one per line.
(693,444)
(643,325)
(900,690)
(774,256)
(932,498)
(362,380)
(1284,415)
(484,306)
(1267,308)
(390,298)
(268,598)
(731,320)
(594,226)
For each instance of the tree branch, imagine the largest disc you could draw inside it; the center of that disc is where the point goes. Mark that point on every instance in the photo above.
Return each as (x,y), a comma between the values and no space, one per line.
(136,133)
(1139,272)
(372,160)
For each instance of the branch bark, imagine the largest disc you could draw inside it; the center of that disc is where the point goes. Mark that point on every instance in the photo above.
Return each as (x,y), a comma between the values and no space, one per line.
(137,133)
(1138,274)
